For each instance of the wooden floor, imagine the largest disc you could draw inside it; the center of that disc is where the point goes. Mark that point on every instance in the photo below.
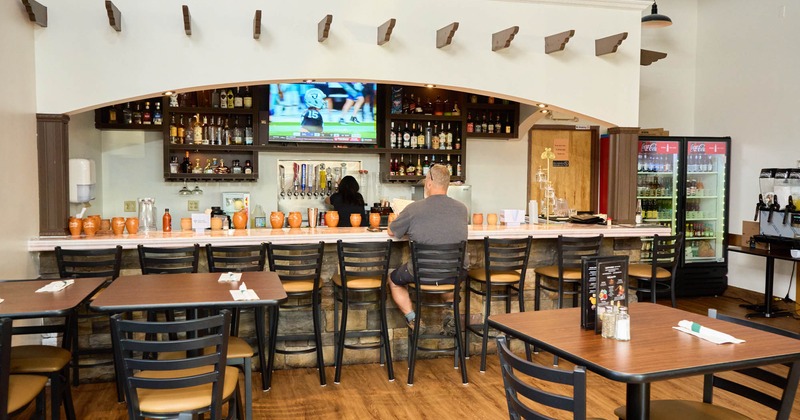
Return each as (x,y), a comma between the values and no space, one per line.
(365,392)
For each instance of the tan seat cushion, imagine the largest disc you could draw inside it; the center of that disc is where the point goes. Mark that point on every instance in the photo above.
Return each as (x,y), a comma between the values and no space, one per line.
(358,282)
(237,348)
(644,271)
(177,400)
(435,288)
(38,359)
(552,272)
(298,286)
(685,410)
(498,276)
(22,389)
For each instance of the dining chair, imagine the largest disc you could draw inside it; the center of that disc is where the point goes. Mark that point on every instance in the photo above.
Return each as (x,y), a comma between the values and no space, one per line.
(180,387)
(564,278)
(299,267)
(361,283)
(501,277)
(662,270)
(17,391)
(159,260)
(768,383)
(87,263)
(517,373)
(438,272)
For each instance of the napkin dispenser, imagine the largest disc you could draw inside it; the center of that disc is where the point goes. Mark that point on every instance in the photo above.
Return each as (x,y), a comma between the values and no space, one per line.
(81,180)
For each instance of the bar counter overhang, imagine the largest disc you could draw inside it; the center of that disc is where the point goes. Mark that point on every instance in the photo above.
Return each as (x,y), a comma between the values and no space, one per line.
(326,234)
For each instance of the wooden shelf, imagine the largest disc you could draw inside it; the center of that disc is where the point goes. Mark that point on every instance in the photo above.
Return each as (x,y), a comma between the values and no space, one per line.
(425,117)
(212,148)
(209,110)
(119,126)
(424,152)
(211,177)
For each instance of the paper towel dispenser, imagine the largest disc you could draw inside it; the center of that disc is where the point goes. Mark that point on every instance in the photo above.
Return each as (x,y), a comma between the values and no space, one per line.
(81,180)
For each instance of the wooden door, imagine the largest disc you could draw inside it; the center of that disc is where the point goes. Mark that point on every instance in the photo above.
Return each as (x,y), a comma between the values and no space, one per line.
(574,171)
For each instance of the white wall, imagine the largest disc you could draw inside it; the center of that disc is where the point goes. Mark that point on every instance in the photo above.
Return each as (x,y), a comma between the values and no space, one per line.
(81,69)
(20,188)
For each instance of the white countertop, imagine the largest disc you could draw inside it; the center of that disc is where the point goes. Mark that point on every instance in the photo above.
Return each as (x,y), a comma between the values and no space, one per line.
(326,234)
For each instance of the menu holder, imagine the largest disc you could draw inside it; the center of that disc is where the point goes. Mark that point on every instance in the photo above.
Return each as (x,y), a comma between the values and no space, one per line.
(604,282)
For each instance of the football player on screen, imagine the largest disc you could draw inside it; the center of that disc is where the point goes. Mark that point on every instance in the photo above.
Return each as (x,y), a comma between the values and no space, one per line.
(312,118)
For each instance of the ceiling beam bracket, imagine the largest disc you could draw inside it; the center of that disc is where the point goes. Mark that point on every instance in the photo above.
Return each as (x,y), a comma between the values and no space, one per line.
(187,21)
(37,12)
(609,44)
(114,16)
(257,25)
(649,57)
(385,31)
(445,35)
(557,42)
(502,39)
(324,28)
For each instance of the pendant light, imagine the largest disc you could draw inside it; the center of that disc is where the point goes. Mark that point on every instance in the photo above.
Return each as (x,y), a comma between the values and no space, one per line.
(654,20)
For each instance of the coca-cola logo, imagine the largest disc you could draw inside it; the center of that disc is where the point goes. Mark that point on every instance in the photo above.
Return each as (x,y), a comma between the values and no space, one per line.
(697,148)
(649,147)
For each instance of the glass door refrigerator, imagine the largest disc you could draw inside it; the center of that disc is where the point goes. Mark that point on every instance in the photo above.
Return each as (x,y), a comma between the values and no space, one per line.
(697,172)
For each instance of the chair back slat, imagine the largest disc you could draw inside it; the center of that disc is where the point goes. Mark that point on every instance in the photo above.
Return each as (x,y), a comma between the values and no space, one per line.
(666,252)
(77,263)
(238,258)
(437,263)
(506,255)
(135,341)
(297,262)
(512,367)
(369,259)
(572,249)
(157,260)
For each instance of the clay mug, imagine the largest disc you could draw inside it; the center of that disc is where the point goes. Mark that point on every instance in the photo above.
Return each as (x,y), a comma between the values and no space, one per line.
(355,220)
(491,219)
(75,226)
(392,216)
(240,219)
(118,225)
(132,225)
(295,219)
(216,222)
(186,223)
(96,218)
(276,219)
(105,225)
(332,218)
(477,218)
(374,220)
(90,226)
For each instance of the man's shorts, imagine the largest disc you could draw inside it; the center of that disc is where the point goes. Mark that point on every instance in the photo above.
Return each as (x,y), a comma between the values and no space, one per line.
(402,276)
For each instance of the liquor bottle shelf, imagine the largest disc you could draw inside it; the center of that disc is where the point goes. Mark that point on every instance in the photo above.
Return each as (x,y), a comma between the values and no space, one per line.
(213,147)
(122,126)
(211,177)
(425,117)
(424,152)
(210,110)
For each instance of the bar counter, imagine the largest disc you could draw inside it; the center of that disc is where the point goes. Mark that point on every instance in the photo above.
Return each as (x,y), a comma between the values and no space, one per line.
(326,234)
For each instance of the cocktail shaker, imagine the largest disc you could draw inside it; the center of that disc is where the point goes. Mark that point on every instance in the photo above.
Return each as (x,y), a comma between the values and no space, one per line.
(313,216)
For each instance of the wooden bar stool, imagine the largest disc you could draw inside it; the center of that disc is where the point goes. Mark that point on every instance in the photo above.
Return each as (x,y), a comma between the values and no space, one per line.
(501,277)
(566,274)
(361,282)
(661,271)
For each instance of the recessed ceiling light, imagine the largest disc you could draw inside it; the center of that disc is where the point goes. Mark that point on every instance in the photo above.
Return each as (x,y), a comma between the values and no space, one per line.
(430,85)
(308,80)
(169,93)
(541,105)
(544,111)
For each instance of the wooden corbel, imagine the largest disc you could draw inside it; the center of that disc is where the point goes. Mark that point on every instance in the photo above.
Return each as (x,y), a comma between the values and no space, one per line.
(649,57)
(503,38)
(557,42)
(608,44)
(37,12)
(324,28)
(257,25)
(187,21)
(114,16)
(445,35)
(385,31)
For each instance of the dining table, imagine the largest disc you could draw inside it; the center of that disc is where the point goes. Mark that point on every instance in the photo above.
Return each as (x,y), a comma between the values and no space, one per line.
(655,352)
(189,291)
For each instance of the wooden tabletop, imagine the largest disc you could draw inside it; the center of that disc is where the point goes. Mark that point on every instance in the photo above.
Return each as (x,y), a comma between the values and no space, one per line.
(22,301)
(779,253)
(656,350)
(173,291)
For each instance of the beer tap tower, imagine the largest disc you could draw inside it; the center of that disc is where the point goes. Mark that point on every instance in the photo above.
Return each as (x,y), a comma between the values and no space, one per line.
(311,183)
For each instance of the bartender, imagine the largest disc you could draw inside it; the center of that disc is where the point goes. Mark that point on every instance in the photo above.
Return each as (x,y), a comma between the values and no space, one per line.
(347,200)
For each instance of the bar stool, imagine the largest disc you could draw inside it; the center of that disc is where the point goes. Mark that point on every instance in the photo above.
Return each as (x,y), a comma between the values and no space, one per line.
(567,273)
(97,263)
(437,271)
(361,282)
(661,271)
(299,267)
(501,277)
(239,259)
(158,260)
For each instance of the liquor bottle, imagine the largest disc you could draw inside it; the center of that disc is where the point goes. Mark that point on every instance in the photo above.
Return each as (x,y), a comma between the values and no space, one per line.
(457,144)
(198,168)
(412,105)
(219,132)
(401,167)
(197,130)
(638,217)
(112,115)
(247,99)
(180,131)
(426,166)
(490,125)
(443,138)
(186,165)
(420,139)
(392,167)
(166,221)
(230,98)
(470,123)
(449,166)
(127,115)
(436,139)
(392,137)
(137,114)
(237,132)
(226,134)
(173,130)
(419,166)
(484,124)
(413,140)
(237,99)
(157,117)
(204,129)
(248,132)
(406,137)
(215,99)
(174,166)
(411,170)
(223,98)
(458,166)
(427,140)
(498,127)
(508,125)
(248,167)
(236,168)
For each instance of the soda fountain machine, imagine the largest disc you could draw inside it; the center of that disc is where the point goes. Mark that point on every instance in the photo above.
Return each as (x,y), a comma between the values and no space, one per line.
(776,212)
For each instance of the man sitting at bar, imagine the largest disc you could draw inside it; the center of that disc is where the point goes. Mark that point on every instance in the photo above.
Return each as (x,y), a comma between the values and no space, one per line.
(436,220)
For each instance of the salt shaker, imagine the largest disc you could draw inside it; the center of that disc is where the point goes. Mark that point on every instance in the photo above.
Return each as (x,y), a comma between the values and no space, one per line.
(623,325)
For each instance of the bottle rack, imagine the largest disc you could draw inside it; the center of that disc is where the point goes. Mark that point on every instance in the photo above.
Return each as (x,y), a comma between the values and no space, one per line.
(113,117)
(502,115)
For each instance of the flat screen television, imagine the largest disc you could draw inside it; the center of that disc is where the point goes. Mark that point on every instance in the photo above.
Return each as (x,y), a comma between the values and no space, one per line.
(331,112)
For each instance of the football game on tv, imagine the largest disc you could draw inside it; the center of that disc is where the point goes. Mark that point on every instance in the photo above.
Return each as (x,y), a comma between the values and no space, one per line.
(332,112)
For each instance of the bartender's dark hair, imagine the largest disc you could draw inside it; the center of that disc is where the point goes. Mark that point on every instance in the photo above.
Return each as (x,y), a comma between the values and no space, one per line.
(348,188)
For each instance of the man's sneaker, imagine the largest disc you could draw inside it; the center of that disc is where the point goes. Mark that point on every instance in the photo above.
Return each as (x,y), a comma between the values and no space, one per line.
(342,121)
(449,325)
(422,328)
(354,120)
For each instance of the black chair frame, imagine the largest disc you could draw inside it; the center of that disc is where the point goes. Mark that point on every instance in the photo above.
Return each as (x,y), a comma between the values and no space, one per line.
(5,367)
(237,258)
(666,255)
(568,256)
